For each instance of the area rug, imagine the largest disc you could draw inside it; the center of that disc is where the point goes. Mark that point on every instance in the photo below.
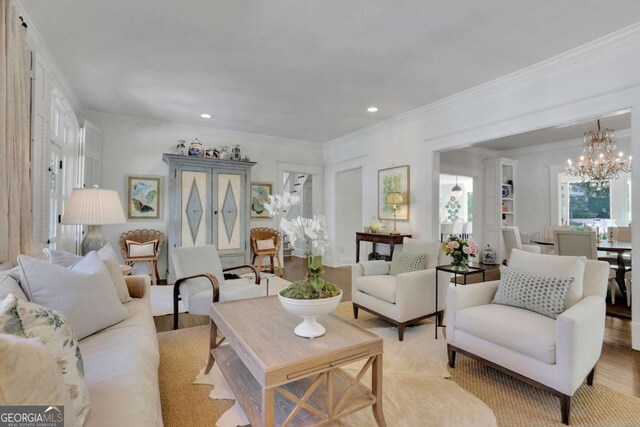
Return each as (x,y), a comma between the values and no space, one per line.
(162,295)
(183,354)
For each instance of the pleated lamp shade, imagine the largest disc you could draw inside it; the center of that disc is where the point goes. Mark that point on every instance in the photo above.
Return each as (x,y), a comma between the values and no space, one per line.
(93,206)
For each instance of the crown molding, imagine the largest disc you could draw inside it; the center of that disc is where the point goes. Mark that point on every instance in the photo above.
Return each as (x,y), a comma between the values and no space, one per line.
(215,132)
(567,143)
(36,42)
(607,43)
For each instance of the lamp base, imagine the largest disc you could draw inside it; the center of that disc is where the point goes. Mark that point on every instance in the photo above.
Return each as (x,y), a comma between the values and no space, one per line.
(394,232)
(93,240)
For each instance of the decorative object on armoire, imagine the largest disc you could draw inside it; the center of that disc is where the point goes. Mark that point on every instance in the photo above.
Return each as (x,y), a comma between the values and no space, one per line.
(224,152)
(133,247)
(456,191)
(246,159)
(208,153)
(209,204)
(394,179)
(460,251)
(259,196)
(181,148)
(395,200)
(600,160)
(235,153)
(143,197)
(93,207)
(195,148)
(488,256)
(312,297)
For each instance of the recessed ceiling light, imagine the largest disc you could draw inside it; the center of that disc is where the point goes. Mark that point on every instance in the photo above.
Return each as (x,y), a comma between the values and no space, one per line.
(205,116)
(372,109)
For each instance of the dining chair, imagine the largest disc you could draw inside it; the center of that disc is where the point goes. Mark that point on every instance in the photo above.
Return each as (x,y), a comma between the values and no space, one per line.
(576,243)
(512,240)
(446,228)
(623,234)
(457,228)
(467,230)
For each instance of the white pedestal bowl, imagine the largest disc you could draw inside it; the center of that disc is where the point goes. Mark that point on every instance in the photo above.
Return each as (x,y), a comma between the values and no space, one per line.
(310,310)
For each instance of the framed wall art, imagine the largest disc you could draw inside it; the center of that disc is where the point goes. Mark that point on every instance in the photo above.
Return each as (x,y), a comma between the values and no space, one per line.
(391,180)
(143,197)
(259,196)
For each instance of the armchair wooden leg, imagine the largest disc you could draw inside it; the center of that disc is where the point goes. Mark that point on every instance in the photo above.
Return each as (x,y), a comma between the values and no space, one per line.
(355,311)
(452,356)
(400,331)
(176,296)
(280,269)
(259,267)
(154,280)
(155,266)
(565,408)
(590,376)
(440,317)
(272,265)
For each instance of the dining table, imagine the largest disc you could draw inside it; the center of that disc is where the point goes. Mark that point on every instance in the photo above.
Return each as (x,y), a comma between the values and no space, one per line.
(619,248)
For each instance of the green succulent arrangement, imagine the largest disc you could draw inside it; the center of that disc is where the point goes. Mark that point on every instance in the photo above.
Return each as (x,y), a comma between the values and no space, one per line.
(305,290)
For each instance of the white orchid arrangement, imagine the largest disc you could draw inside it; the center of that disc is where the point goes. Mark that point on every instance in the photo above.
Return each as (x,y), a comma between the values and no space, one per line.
(310,231)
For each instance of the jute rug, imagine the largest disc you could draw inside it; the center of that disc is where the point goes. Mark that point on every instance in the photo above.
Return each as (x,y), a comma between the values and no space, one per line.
(425,399)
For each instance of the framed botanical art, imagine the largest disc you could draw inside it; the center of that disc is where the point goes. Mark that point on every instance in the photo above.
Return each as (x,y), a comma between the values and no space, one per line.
(393,180)
(143,197)
(259,196)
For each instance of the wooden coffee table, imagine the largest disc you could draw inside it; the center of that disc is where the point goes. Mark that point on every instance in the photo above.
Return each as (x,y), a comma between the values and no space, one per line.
(280,379)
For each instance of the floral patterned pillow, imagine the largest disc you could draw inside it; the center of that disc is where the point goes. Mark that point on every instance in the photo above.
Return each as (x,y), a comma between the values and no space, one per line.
(26,319)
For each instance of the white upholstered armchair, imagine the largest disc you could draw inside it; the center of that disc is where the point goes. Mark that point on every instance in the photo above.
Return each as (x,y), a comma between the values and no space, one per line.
(405,298)
(553,354)
(200,281)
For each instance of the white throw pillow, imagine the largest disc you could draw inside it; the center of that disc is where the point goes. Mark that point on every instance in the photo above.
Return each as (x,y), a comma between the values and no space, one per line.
(54,331)
(84,292)
(9,286)
(375,268)
(553,266)
(29,375)
(110,259)
(265,244)
(431,248)
(142,250)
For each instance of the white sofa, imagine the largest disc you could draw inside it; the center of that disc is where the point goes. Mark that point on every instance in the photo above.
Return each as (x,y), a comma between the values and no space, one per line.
(406,298)
(553,354)
(121,365)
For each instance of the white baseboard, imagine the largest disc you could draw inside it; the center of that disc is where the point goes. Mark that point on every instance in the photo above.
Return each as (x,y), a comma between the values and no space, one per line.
(635,336)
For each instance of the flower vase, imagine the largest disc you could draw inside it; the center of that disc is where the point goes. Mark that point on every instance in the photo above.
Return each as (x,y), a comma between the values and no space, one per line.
(460,262)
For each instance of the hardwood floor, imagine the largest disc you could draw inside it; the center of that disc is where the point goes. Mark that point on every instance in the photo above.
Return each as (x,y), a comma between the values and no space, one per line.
(618,368)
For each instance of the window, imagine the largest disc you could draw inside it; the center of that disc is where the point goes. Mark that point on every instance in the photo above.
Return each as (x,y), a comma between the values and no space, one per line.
(588,202)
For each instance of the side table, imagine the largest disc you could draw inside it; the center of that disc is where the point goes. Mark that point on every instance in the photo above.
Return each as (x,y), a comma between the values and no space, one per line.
(455,271)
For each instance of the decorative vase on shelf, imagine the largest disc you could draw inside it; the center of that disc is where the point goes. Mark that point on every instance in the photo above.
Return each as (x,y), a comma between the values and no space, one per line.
(224,152)
(488,256)
(181,148)
(195,148)
(235,153)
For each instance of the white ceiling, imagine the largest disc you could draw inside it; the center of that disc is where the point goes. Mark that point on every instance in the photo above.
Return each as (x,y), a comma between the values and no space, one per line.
(303,69)
(557,134)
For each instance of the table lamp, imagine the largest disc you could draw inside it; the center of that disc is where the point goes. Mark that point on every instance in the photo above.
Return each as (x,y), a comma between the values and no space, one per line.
(93,207)
(394,199)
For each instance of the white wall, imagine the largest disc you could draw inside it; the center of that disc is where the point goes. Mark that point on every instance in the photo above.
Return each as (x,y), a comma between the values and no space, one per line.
(348,213)
(132,146)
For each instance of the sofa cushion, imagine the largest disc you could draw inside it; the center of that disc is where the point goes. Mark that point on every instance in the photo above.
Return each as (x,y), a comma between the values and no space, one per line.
(51,328)
(553,266)
(375,268)
(84,292)
(200,302)
(121,365)
(404,262)
(382,287)
(514,328)
(8,285)
(542,294)
(431,248)
(29,375)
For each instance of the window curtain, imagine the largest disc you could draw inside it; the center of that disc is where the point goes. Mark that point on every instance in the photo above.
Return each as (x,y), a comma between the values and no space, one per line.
(16,226)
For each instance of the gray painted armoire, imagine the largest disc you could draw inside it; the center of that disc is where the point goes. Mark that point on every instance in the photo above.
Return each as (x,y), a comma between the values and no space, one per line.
(209,204)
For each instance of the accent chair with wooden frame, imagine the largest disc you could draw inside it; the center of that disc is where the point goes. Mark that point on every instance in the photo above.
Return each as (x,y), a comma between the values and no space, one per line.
(141,237)
(556,355)
(265,242)
(200,281)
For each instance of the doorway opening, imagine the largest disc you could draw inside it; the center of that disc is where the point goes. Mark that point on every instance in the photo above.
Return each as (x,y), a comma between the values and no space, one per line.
(456,206)
(348,214)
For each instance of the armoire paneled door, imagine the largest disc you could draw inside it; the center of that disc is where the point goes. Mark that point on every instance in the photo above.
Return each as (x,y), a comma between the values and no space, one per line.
(209,204)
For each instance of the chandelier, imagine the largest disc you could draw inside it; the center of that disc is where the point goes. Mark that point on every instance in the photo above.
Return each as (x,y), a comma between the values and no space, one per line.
(600,161)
